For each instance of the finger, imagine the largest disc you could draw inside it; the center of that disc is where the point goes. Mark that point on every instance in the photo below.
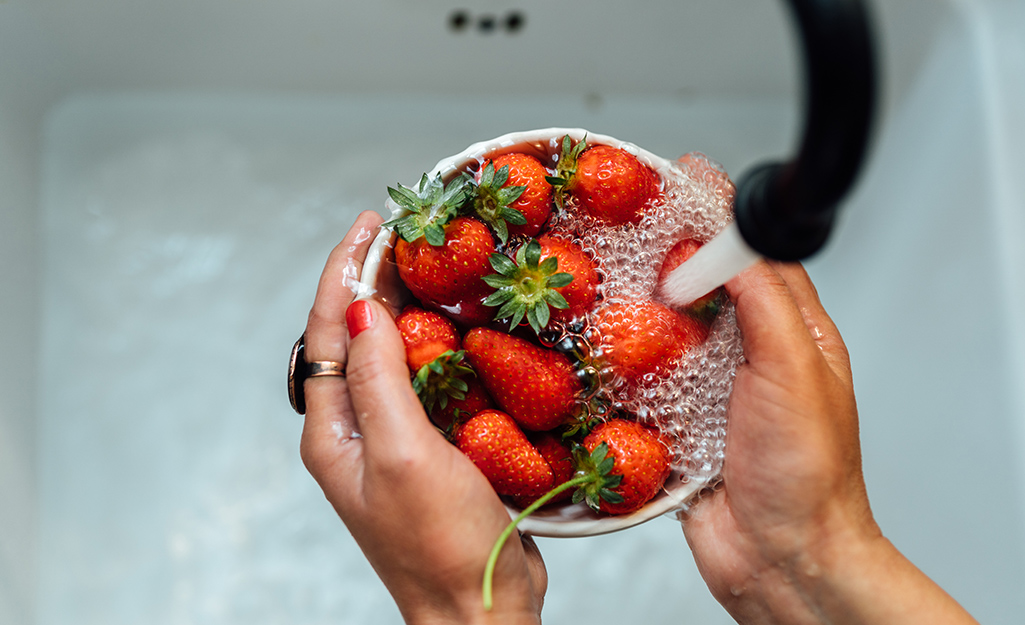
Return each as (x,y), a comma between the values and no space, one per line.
(769,318)
(821,327)
(326,335)
(388,411)
(328,415)
(536,565)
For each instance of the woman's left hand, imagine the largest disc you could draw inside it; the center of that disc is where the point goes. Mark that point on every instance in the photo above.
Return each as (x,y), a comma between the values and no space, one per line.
(424,515)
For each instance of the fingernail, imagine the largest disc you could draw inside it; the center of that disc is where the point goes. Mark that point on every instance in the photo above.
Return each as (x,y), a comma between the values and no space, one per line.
(358,317)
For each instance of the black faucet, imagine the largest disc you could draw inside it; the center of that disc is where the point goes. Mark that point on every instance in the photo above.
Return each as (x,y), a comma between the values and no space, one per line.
(785,211)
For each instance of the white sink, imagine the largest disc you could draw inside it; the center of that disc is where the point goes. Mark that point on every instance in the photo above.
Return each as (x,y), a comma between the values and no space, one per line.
(174,175)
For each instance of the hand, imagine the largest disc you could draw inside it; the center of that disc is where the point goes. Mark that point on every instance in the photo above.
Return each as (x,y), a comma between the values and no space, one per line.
(789,536)
(423,514)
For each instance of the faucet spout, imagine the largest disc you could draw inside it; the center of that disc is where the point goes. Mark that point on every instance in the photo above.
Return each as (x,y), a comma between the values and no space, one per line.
(786,210)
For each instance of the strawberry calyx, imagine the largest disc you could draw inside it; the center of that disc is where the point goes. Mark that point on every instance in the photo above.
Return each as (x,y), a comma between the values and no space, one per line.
(429,208)
(566,167)
(707,307)
(441,379)
(596,466)
(589,416)
(491,199)
(525,286)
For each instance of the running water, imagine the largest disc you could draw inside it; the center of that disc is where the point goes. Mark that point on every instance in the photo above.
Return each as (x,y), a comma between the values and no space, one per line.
(687,402)
(726,255)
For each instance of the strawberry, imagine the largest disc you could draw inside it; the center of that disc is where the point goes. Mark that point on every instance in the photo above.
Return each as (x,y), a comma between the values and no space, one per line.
(536,386)
(426,335)
(608,183)
(559,457)
(492,441)
(700,167)
(526,287)
(582,291)
(621,466)
(640,458)
(706,307)
(512,195)
(428,208)
(473,400)
(640,337)
(448,276)
(434,356)
(593,482)
(549,278)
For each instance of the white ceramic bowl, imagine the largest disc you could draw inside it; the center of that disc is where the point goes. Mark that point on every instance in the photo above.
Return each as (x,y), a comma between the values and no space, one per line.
(559,520)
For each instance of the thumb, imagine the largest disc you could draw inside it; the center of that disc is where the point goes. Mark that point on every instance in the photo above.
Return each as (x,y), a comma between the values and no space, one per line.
(387,409)
(775,332)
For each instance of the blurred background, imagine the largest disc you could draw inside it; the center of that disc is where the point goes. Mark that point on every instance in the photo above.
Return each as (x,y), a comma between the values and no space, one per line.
(173,176)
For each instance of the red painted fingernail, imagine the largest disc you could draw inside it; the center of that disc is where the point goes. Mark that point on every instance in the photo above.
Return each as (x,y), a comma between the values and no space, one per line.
(358,317)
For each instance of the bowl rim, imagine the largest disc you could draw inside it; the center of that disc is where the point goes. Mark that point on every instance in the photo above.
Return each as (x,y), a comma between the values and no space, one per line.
(565,521)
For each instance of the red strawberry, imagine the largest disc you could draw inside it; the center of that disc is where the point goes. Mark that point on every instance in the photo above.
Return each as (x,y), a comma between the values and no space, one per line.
(583,290)
(448,277)
(474,400)
(536,386)
(512,195)
(426,335)
(706,307)
(700,167)
(641,337)
(626,467)
(606,182)
(493,441)
(639,456)
(535,285)
(559,456)
(434,356)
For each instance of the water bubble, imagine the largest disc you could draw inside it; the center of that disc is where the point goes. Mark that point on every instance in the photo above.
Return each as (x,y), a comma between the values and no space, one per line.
(688,402)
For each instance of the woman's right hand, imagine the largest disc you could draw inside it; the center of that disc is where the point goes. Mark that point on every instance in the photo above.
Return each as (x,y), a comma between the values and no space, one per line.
(789,536)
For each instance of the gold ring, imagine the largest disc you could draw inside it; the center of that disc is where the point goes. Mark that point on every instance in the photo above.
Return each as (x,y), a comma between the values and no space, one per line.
(324,368)
(299,370)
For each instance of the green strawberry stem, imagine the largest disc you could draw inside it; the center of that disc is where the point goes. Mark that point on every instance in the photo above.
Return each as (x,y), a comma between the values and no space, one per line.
(489,568)
(594,479)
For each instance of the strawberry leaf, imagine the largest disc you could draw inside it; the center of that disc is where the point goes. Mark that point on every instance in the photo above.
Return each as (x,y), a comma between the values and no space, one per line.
(502,264)
(434,234)
(557,280)
(531,255)
(536,318)
(550,266)
(502,295)
(554,298)
(513,216)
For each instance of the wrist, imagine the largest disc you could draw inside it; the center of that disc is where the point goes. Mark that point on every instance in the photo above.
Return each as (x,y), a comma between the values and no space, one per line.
(469,610)
(807,572)
(470,617)
(849,573)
